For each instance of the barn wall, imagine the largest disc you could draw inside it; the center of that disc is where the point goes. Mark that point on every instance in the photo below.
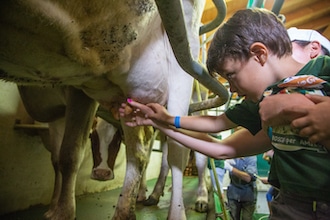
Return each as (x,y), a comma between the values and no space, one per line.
(26,174)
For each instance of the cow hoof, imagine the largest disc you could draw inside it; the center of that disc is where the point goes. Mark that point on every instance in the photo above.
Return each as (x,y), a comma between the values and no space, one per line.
(48,214)
(151,201)
(102,174)
(201,206)
(55,214)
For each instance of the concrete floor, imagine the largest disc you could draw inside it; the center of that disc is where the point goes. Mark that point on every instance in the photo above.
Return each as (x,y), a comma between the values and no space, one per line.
(101,206)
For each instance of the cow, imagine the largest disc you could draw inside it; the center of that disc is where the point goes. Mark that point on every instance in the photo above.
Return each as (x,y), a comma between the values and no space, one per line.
(68,56)
(106,139)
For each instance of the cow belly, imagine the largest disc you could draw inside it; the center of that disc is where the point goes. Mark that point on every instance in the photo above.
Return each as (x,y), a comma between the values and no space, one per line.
(62,43)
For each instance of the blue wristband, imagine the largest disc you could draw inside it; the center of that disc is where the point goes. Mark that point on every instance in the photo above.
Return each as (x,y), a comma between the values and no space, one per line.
(177,121)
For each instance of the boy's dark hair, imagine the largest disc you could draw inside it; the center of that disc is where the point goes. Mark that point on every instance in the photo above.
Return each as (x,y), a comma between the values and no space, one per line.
(234,38)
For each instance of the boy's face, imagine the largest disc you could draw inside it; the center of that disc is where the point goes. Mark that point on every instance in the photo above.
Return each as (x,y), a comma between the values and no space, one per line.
(247,79)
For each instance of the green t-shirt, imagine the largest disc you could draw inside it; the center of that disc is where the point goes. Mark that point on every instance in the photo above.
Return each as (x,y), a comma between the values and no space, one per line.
(301,171)
(244,114)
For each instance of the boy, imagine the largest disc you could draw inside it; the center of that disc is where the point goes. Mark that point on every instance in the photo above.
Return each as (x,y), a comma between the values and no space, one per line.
(306,45)
(252,51)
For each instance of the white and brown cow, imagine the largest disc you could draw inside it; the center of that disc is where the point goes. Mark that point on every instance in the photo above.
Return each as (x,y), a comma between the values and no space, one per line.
(68,54)
(106,139)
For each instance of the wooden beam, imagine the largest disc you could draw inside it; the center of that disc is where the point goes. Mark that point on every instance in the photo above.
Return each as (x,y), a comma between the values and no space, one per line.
(307,13)
(311,14)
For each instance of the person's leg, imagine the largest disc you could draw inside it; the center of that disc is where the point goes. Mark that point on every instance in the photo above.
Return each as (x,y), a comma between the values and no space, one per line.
(288,206)
(248,209)
(322,210)
(234,209)
(269,198)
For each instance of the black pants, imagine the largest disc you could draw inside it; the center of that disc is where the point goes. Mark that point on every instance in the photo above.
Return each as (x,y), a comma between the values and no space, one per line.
(293,207)
(241,210)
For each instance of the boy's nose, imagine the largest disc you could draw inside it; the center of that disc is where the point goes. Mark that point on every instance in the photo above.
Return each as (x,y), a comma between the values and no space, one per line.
(232,88)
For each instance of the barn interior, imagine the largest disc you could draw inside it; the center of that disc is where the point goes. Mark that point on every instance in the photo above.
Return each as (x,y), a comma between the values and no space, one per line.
(26,173)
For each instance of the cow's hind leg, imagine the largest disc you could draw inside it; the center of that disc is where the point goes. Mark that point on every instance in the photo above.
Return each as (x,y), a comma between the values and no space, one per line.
(177,158)
(47,104)
(138,150)
(79,117)
(201,204)
(56,132)
(158,190)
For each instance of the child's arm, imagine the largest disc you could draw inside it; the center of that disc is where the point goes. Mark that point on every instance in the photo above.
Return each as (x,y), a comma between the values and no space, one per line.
(204,123)
(240,143)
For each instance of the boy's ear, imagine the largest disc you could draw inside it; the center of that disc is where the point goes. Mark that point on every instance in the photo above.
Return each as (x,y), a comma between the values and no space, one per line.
(260,52)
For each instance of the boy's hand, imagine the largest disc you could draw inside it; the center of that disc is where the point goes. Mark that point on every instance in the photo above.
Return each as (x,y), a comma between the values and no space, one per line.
(154,111)
(141,114)
(135,114)
(160,114)
(314,121)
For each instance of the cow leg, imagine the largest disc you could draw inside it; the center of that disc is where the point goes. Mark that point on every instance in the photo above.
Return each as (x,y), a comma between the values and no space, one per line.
(201,204)
(158,190)
(67,138)
(178,154)
(138,150)
(52,141)
(113,150)
(79,116)
(177,159)
(56,132)
(47,104)
(142,193)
